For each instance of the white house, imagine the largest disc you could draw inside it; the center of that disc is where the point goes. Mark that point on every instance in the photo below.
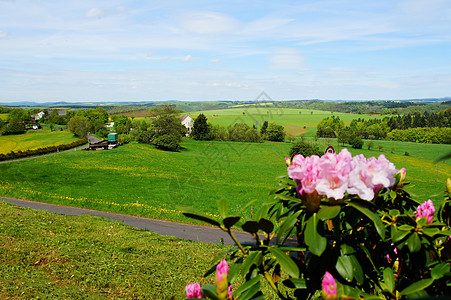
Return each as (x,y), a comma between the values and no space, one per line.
(188,122)
(39,115)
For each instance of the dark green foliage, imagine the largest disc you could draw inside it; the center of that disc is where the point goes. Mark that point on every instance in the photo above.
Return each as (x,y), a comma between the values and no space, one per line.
(80,126)
(15,126)
(305,149)
(201,130)
(356,143)
(275,133)
(329,127)
(41,151)
(167,142)
(264,128)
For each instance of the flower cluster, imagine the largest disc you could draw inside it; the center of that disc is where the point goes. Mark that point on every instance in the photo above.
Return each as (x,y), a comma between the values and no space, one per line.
(426,210)
(329,290)
(334,175)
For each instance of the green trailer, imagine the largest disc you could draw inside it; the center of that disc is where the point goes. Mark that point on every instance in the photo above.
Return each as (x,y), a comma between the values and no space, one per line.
(112,137)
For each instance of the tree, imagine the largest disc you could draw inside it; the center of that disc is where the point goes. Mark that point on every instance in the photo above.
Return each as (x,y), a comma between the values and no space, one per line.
(264,128)
(167,142)
(275,133)
(201,130)
(15,126)
(80,126)
(356,143)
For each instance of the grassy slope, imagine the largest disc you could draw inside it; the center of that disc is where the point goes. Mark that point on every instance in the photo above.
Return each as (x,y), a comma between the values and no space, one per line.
(34,139)
(44,255)
(138,179)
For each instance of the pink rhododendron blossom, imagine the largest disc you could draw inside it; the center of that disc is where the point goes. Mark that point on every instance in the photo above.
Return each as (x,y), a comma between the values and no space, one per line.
(230,292)
(329,291)
(334,175)
(426,210)
(193,291)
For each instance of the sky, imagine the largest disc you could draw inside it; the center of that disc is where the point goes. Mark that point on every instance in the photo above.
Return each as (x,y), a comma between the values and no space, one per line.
(120,50)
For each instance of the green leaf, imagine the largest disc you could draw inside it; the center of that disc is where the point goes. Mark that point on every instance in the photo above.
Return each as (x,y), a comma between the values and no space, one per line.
(234,270)
(248,284)
(287,264)
(397,235)
(414,243)
(346,249)
(223,207)
(250,260)
(209,291)
(357,269)
(251,226)
(328,212)
(406,227)
(287,226)
(316,242)
(295,283)
(266,225)
(351,292)
(373,217)
(249,293)
(230,221)
(202,218)
(344,267)
(440,270)
(431,231)
(417,286)
(389,279)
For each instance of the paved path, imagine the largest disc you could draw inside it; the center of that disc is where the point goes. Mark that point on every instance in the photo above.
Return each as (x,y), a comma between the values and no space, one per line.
(179,230)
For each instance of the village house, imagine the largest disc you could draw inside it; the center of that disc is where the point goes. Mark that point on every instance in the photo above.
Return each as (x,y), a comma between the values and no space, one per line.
(188,122)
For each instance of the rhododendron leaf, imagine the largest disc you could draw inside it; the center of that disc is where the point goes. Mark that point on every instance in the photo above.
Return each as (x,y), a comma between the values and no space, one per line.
(235,269)
(202,218)
(287,264)
(431,231)
(414,243)
(328,212)
(266,225)
(252,258)
(316,242)
(373,217)
(247,285)
(351,292)
(440,270)
(287,226)
(250,292)
(209,291)
(295,283)
(417,286)
(389,279)
(357,269)
(223,207)
(406,227)
(344,267)
(346,249)
(397,235)
(251,226)
(230,221)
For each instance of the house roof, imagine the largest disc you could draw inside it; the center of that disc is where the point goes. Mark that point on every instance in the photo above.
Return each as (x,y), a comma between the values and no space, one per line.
(184,117)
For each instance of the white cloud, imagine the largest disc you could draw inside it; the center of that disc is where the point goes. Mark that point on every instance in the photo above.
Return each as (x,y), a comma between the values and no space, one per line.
(208,22)
(3,34)
(95,13)
(287,59)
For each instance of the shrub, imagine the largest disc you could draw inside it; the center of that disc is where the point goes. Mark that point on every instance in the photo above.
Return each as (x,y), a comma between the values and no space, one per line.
(305,149)
(356,143)
(275,133)
(167,142)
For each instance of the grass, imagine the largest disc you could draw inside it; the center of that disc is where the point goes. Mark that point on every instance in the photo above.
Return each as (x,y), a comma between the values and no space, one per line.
(140,180)
(4,117)
(50,256)
(34,139)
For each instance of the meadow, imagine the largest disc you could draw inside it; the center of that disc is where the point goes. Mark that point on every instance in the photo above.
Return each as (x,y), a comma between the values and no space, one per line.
(50,256)
(140,180)
(34,139)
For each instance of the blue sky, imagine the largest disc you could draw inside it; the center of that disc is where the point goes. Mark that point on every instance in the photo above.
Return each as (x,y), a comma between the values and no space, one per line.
(118,50)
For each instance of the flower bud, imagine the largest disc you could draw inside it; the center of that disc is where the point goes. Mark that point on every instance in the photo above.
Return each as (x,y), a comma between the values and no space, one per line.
(426,210)
(222,279)
(329,291)
(193,291)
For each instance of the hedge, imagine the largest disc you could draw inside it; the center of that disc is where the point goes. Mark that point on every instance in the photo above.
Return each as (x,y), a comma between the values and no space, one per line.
(40,151)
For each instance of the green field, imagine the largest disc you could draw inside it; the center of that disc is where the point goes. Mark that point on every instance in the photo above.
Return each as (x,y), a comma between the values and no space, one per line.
(140,180)
(50,256)
(34,139)
(4,117)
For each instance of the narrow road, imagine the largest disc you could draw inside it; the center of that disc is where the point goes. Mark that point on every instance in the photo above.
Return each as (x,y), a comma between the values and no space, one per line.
(179,230)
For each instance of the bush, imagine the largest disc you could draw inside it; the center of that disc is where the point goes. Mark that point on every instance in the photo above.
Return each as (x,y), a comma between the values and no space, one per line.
(305,149)
(275,133)
(356,143)
(167,142)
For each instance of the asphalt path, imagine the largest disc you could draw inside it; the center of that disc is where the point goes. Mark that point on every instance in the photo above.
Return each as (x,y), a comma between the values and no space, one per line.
(180,230)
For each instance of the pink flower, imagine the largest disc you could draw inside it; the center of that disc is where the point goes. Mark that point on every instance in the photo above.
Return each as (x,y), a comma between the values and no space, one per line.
(329,291)
(426,210)
(222,279)
(230,292)
(334,174)
(193,291)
